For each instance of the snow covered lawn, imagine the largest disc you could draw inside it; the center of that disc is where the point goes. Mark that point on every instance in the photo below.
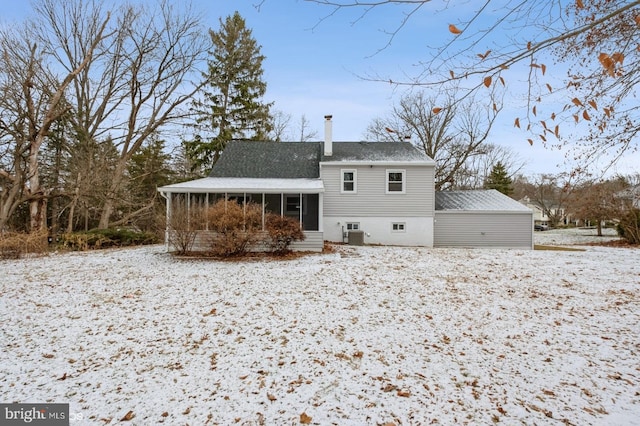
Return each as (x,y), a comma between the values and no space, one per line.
(363,335)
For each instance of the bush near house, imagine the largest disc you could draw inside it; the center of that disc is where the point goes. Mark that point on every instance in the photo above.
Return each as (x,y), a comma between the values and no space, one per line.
(236,227)
(282,231)
(231,229)
(184,225)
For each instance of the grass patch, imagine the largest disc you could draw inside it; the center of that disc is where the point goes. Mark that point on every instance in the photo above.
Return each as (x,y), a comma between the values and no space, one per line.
(556,248)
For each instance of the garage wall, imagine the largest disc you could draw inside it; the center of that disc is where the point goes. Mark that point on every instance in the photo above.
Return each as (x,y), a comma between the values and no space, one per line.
(483,229)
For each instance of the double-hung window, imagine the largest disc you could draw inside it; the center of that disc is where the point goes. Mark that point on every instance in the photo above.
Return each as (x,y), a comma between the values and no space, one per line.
(396,181)
(349,181)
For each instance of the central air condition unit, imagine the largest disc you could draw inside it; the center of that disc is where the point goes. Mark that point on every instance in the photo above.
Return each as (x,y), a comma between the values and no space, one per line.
(356,238)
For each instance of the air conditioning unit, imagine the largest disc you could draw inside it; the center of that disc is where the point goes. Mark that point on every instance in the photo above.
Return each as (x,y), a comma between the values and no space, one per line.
(356,238)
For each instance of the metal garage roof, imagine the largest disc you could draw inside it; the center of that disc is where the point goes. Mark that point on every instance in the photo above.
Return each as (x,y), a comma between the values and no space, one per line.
(477,200)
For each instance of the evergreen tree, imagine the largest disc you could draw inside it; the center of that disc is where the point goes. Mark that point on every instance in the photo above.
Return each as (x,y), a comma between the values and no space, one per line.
(148,169)
(499,180)
(231,106)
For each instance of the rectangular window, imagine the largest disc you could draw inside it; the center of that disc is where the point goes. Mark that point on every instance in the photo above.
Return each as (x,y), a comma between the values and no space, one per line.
(353,226)
(348,181)
(395,181)
(398,227)
(292,205)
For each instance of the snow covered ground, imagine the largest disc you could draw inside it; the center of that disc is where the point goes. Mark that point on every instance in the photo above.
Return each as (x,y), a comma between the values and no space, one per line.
(359,336)
(573,236)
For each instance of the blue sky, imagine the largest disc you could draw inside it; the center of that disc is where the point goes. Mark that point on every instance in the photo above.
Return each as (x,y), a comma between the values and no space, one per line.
(315,67)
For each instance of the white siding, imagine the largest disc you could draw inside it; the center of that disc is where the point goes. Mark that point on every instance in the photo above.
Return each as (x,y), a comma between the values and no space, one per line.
(378,230)
(370,200)
(483,229)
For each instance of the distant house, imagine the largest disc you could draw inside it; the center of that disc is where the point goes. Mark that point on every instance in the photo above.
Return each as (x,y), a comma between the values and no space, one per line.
(541,212)
(380,192)
(539,215)
(631,195)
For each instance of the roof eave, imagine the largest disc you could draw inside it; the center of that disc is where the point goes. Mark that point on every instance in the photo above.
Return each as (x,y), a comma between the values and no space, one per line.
(377,163)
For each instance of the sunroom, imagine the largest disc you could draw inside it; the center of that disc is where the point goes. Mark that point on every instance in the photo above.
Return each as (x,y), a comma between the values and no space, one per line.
(296,198)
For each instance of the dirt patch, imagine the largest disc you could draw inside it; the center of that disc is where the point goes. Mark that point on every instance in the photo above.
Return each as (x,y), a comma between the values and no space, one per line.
(556,248)
(613,243)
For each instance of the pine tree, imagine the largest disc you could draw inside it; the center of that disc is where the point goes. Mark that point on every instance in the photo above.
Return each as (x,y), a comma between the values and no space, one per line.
(499,180)
(231,106)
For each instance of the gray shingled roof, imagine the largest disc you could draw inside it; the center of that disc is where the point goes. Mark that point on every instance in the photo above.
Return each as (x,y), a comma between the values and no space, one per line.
(282,160)
(376,151)
(291,160)
(480,200)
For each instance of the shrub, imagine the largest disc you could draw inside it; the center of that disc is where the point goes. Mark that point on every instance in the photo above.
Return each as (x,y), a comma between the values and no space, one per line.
(236,227)
(103,238)
(282,231)
(184,224)
(14,244)
(629,226)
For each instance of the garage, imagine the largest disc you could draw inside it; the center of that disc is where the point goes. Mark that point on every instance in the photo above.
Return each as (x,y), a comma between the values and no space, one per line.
(484,218)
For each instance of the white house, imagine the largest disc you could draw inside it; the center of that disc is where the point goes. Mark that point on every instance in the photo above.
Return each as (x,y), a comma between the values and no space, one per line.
(384,191)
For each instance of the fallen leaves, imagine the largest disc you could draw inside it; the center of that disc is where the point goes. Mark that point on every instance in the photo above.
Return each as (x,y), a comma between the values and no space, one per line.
(128,417)
(305,419)
(249,377)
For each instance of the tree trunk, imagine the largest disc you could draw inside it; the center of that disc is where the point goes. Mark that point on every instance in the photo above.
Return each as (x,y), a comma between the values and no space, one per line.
(10,201)
(38,202)
(38,214)
(110,202)
(72,210)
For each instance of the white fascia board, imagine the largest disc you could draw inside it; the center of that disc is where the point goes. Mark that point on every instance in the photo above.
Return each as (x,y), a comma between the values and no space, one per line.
(246,185)
(494,212)
(378,163)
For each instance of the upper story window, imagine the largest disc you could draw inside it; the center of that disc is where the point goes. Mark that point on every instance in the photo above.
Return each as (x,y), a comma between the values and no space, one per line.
(349,183)
(396,181)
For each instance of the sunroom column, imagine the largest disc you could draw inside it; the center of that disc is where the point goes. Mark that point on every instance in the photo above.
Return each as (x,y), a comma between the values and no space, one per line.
(320,213)
(300,212)
(169,197)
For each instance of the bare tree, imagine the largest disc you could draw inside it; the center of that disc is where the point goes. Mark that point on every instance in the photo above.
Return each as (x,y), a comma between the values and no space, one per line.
(138,79)
(448,131)
(596,201)
(283,130)
(33,99)
(478,167)
(491,42)
(304,130)
(280,123)
(552,193)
